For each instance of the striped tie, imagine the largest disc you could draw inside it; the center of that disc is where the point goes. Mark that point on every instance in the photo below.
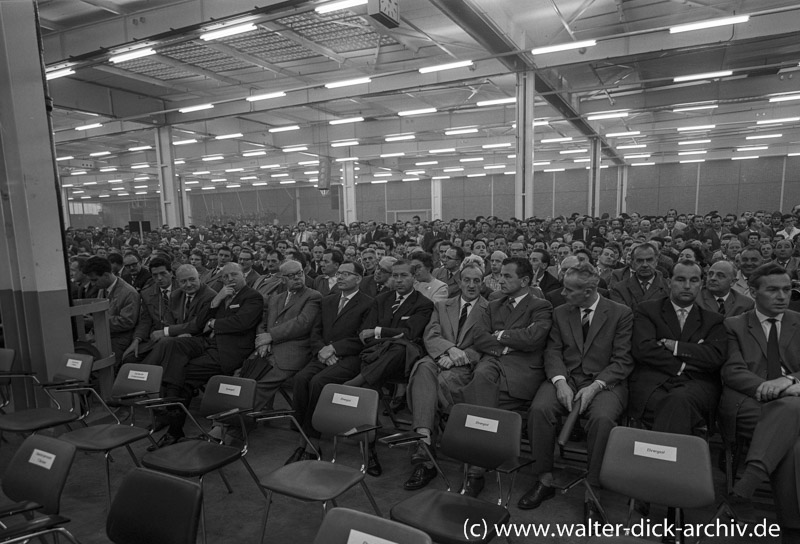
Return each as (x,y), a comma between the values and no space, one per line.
(396,304)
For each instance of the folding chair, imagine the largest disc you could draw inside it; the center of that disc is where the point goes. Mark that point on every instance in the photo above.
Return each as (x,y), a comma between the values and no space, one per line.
(475,435)
(133,381)
(153,507)
(73,369)
(35,479)
(344,412)
(224,397)
(142,381)
(673,470)
(344,526)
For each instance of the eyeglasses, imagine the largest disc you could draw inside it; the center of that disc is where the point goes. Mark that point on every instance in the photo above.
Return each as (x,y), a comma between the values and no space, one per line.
(293,276)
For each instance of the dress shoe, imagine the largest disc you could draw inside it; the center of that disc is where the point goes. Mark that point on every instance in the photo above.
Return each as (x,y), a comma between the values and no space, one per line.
(298,455)
(590,512)
(161,422)
(165,440)
(421,477)
(474,485)
(374,466)
(536,496)
(420,455)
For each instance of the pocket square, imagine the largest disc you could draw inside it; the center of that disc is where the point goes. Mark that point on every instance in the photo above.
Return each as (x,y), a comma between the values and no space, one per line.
(403,318)
(232,306)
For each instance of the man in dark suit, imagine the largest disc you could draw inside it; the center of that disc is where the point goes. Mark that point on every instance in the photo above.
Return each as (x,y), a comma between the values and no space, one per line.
(213,277)
(325,283)
(134,273)
(437,379)
(283,336)
(678,348)
(587,232)
(246,261)
(587,361)
(189,304)
(334,347)
(645,282)
(760,395)
(544,280)
(230,324)
(448,272)
(717,295)
(510,337)
(380,280)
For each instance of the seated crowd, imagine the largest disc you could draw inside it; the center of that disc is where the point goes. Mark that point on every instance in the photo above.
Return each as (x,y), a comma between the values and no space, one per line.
(672,322)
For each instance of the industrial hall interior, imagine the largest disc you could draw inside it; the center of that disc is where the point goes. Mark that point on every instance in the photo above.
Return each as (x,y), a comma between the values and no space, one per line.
(399,271)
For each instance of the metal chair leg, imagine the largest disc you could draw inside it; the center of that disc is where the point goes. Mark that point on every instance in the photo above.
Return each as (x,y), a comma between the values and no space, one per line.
(203,513)
(266,517)
(108,478)
(225,480)
(133,455)
(371,499)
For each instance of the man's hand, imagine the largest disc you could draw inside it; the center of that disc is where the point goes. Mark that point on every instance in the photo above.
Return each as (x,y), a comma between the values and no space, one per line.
(263,350)
(263,339)
(155,336)
(326,353)
(225,292)
(772,389)
(332,360)
(459,357)
(587,394)
(668,344)
(366,334)
(792,391)
(133,348)
(564,394)
(445,362)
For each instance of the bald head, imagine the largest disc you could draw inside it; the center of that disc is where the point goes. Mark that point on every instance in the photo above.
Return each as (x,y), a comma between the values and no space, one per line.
(566,264)
(720,277)
(232,276)
(188,279)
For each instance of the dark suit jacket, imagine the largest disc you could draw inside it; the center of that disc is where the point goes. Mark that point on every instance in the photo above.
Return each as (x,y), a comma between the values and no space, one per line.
(251,277)
(605,354)
(409,321)
(192,322)
(736,304)
(269,286)
(213,278)
(548,282)
(701,345)
(591,234)
(341,330)
(153,313)
(143,279)
(629,292)
(321,285)
(290,326)
(235,327)
(525,334)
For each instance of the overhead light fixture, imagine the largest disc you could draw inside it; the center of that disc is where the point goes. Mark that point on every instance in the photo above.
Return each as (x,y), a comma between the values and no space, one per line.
(227,31)
(443,150)
(449,66)
(345,121)
(415,172)
(199,107)
(563,47)
(554,169)
(556,140)
(699,152)
(90,183)
(104,196)
(494,166)
(201,173)
(341,4)
(265,96)
(752,148)
(347,143)
(65,158)
(379,181)
(140,148)
(287,181)
(270,166)
(481,175)
(472,159)
(347,159)
(623,134)
(542,163)
(141,178)
(793,155)
(747,158)
(383,174)
(632,146)
(440,177)
(219,180)
(607,115)
(123,194)
(388,155)
(233,186)
(426,163)
(640,156)
(456,132)
(689,161)
(101,153)
(115,181)
(454,169)
(294,149)
(229,170)
(311,173)
(260,184)
(229,136)
(572,151)
(307,163)
(399,138)
(497,102)
(193,182)
(537,124)
(109,169)
(78,192)
(140,186)
(89,127)
(416,112)
(785,98)
(496,146)
(778,121)
(137,166)
(213,158)
(707,75)
(709,24)
(582,160)
(348,82)
(643,164)
(137,54)
(285,129)
(211,188)
(253,153)
(410,179)
(185,142)
(696,108)
(55,74)
(693,142)
(696,128)
(763,136)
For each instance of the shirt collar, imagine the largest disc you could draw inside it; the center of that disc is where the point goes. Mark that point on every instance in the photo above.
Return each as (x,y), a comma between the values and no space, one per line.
(762,318)
(351,295)
(677,308)
(518,299)
(593,307)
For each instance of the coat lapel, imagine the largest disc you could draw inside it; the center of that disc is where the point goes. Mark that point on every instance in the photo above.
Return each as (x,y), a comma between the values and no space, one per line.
(757,332)
(451,318)
(575,327)
(597,322)
(692,324)
(789,327)
(671,318)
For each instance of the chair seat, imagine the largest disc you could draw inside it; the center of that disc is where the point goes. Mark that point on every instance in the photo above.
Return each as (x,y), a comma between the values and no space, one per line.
(441,515)
(312,480)
(104,437)
(35,419)
(191,458)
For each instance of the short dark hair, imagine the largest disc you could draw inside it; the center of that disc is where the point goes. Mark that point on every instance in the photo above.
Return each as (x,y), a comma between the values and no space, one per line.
(546,259)
(96,265)
(459,252)
(357,268)
(114,258)
(769,269)
(401,262)
(336,255)
(156,262)
(225,248)
(524,267)
(643,246)
(425,258)
(134,255)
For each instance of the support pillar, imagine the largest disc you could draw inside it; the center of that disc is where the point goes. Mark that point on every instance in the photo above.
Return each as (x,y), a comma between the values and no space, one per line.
(349,192)
(523,180)
(34,301)
(593,200)
(436,199)
(186,203)
(622,189)
(170,188)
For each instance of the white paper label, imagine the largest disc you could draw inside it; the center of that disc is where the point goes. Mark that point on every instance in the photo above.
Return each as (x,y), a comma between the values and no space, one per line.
(345,400)
(138,375)
(42,459)
(482,424)
(74,363)
(357,537)
(228,389)
(654,451)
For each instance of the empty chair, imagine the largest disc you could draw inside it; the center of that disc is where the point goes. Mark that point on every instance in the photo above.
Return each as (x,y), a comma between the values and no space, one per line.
(343,526)
(142,381)
(153,507)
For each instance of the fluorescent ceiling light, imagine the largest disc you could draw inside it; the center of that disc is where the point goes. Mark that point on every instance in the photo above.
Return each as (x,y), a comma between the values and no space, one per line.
(137,166)
(440,177)
(707,75)
(342,4)
(542,163)
(747,158)
(454,169)
(229,31)
(90,183)
(497,102)
(214,158)
(115,181)
(382,174)
(776,121)
(199,107)
(59,73)
(310,173)
(689,161)
(426,163)
(494,166)
(632,146)
(142,178)
(219,180)
(709,24)
(763,136)
(513,172)
(208,188)
(271,166)
(514,156)
(582,160)
(294,149)
(285,129)
(443,150)
(66,158)
(696,128)
(246,178)
(399,138)
(140,148)
(345,121)
(609,115)
(253,153)
(101,153)
(347,143)
(234,169)
(347,159)
(89,127)
(123,194)
(793,155)
(140,186)
(265,96)
(641,156)
(481,175)
(537,124)
(194,182)
(104,196)
(785,98)
(287,181)
(141,193)
(377,181)
(696,108)
(449,66)
(260,184)
(473,159)
(693,142)
(387,155)
(563,47)
(416,112)
(415,172)
(307,163)
(556,140)
(699,152)
(233,186)
(457,131)
(78,192)
(109,169)
(554,169)
(752,148)
(496,146)
(201,172)
(229,136)
(643,164)
(623,134)
(348,82)
(571,151)
(185,142)
(410,179)
(137,54)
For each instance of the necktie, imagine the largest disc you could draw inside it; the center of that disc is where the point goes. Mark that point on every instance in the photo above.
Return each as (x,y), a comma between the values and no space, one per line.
(463,318)
(773,353)
(342,302)
(164,303)
(288,298)
(682,317)
(186,307)
(585,322)
(512,304)
(645,286)
(396,305)
(379,288)
(721,302)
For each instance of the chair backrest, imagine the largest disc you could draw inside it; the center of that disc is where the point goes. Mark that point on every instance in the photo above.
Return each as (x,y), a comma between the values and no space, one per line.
(134,378)
(74,366)
(663,468)
(226,393)
(7,356)
(38,472)
(342,407)
(482,436)
(343,526)
(154,507)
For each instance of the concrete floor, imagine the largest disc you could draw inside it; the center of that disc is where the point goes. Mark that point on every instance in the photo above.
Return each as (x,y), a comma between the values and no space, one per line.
(237,517)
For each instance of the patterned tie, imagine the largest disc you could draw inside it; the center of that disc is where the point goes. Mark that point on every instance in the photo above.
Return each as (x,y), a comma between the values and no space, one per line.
(585,322)
(645,286)
(396,304)
(463,318)
(721,302)
(164,306)
(288,298)
(682,317)
(342,302)
(186,305)
(773,353)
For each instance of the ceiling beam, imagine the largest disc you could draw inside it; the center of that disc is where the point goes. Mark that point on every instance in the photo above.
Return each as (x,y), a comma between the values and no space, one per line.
(109,6)
(256,61)
(147,79)
(179,64)
(73,94)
